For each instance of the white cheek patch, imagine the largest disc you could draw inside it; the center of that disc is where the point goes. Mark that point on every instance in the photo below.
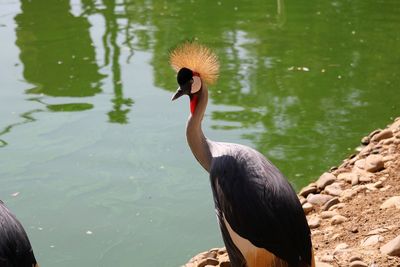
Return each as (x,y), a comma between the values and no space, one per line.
(196,85)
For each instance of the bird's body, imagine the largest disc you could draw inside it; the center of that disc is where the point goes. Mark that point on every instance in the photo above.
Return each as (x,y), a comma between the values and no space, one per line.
(15,248)
(258,212)
(260,216)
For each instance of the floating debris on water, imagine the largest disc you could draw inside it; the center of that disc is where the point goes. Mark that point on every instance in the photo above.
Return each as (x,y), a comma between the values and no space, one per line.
(299,68)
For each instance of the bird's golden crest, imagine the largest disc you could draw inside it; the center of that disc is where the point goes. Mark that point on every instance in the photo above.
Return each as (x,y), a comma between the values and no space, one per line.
(197,58)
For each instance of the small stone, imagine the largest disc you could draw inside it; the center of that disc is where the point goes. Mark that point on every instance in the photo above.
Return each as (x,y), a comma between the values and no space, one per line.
(393,202)
(307,208)
(221,250)
(348,194)
(308,190)
(385,188)
(355,258)
(365,140)
(388,141)
(208,261)
(327,258)
(328,214)
(337,206)
(334,189)
(374,133)
(346,176)
(360,163)
(371,240)
(389,158)
(338,219)
(330,203)
(378,184)
(365,179)
(358,264)
(371,187)
(340,248)
(318,199)
(374,163)
(325,179)
(382,135)
(392,248)
(354,230)
(355,180)
(314,223)
(377,231)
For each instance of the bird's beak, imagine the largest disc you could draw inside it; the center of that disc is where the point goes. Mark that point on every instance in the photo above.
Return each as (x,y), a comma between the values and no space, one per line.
(178,94)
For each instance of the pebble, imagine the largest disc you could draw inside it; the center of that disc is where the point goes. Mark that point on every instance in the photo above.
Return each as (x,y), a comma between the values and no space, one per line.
(360,163)
(389,158)
(365,140)
(314,222)
(330,203)
(385,134)
(392,248)
(328,258)
(348,194)
(371,240)
(208,261)
(340,248)
(307,208)
(371,135)
(355,258)
(334,189)
(378,184)
(377,231)
(393,202)
(338,219)
(374,163)
(308,190)
(348,176)
(318,199)
(302,200)
(337,206)
(371,187)
(365,179)
(328,214)
(389,141)
(355,179)
(358,264)
(325,179)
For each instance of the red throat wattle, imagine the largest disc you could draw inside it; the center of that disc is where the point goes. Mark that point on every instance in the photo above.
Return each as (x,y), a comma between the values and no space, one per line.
(193,102)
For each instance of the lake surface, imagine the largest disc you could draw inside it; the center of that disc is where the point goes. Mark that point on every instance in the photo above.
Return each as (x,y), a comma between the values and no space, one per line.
(93,155)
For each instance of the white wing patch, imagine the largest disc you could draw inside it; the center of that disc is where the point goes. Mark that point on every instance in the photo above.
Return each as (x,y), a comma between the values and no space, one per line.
(255,256)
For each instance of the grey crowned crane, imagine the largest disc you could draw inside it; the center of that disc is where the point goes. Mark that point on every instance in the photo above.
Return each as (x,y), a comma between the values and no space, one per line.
(15,248)
(260,217)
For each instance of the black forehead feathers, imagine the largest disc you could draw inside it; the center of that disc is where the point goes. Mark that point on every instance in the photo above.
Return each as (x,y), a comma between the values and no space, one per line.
(184,75)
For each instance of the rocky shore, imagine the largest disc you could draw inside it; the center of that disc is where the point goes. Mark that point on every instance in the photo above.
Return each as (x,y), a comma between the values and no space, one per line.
(353,210)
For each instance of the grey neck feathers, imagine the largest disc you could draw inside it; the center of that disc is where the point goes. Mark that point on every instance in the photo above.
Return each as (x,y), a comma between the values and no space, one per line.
(198,143)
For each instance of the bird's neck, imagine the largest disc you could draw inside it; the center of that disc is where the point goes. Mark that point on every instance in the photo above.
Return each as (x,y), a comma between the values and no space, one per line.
(198,143)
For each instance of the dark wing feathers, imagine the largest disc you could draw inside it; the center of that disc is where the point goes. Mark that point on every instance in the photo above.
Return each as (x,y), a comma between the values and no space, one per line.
(260,205)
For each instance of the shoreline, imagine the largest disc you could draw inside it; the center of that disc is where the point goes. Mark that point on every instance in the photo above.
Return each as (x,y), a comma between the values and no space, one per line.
(353,210)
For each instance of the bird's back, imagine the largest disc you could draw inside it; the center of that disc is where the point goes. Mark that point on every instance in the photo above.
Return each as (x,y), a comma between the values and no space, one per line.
(258,204)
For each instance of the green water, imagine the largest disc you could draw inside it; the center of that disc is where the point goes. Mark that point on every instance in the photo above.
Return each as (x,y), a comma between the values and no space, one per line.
(93,156)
